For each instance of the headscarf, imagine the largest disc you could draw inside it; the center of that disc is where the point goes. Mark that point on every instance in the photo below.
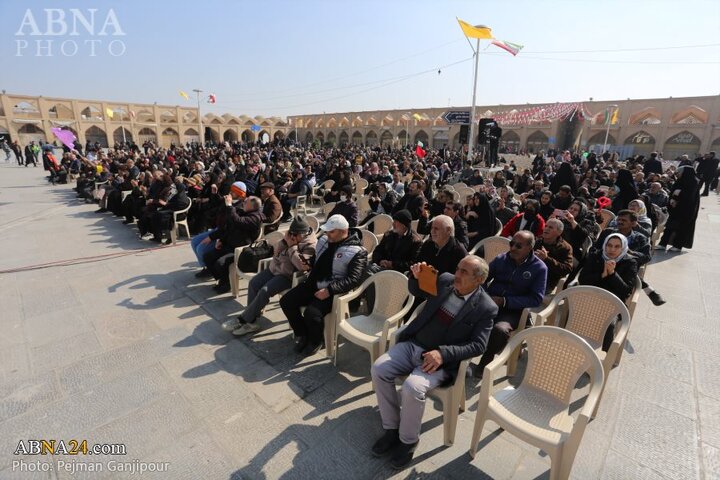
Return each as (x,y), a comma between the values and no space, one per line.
(624,251)
(686,180)
(642,212)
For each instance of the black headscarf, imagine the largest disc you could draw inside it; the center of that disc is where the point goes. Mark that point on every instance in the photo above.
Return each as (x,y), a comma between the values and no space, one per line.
(564,176)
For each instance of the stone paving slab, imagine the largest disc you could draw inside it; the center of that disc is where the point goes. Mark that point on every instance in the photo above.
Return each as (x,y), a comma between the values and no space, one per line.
(130,350)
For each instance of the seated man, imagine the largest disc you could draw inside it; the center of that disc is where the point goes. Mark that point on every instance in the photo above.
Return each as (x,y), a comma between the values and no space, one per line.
(162,220)
(454,325)
(442,250)
(516,281)
(272,209)
(557,254)
(292,254)
(398,248)
(339,267)
(452,210)
(241,227)
(346,206)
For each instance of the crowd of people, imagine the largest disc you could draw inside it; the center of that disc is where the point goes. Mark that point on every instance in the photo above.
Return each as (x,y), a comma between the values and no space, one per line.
(552,213)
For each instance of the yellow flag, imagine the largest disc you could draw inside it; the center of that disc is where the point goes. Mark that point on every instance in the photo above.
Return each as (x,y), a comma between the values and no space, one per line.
(184,95)
(109,112)
(417,116)
(614,118)
(481,31)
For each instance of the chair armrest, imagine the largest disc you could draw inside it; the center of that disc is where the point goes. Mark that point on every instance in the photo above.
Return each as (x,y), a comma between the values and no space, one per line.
(236,256)
(264,264)
(394,335)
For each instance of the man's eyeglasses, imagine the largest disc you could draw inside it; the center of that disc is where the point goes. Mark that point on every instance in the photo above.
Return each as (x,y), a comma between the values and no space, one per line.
(517,245)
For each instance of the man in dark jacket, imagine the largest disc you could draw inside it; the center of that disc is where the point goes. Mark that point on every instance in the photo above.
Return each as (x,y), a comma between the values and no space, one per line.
(346,207)
(652,165)
(413,201)
(442,250)
(555,252)
(707,172)
(454,325)
(241,227)
(340,266)
(516,281)
(272,209)
(399,247)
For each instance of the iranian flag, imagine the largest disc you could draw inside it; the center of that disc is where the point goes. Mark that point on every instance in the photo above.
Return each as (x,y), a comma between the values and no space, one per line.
(420,150)
(513,48)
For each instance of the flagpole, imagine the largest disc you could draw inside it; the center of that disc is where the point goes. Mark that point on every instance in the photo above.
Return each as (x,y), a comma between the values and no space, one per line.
(471,142)
(200,133)
(607,130)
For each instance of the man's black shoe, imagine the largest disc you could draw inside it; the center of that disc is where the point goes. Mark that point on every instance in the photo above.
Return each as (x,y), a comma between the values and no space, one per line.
(300,344)
(101,210)
(127,222)
(222,287)
(386,443)
(402,455)
(313,348)
(656,298)
(204,273)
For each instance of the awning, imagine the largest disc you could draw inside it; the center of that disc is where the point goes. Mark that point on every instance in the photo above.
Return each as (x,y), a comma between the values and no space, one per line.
(26,120)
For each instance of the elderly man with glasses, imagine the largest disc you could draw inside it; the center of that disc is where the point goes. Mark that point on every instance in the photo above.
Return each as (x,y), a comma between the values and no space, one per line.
(516,281)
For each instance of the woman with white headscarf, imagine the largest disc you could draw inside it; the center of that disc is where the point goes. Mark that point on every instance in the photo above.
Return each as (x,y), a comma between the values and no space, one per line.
(611,269)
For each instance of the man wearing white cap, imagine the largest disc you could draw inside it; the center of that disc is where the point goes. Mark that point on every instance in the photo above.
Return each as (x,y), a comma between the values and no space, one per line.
(340,265)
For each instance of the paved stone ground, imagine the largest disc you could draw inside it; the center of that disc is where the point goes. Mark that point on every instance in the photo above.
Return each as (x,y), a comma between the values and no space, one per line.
(130,350)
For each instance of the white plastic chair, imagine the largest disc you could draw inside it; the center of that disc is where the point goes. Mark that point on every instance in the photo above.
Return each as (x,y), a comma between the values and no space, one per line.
(372,331)
(300,204)
(452,396)
(588,311)
(607,217)
(272,238)
(369,241)
(327,208)
(363,206)
(360,185)
(537,411)
(493,246)
(312,222)
(178,223)
(379,224)
(499,226)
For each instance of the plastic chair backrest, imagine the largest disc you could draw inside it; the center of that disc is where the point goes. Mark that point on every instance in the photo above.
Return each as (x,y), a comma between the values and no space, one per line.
(274,238)
(369,240)
(313,222)
(391,292)
(327,208)
(380,224)
(590,310)
(556,360)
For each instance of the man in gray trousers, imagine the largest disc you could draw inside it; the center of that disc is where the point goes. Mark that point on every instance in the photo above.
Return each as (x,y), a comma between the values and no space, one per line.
(454,325)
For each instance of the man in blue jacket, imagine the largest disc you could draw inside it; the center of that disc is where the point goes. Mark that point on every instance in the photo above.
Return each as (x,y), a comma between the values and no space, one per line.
(516,281)
(453,326)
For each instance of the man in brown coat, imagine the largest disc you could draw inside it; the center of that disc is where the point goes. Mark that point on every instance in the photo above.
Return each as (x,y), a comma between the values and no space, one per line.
(272,208)
(555,252)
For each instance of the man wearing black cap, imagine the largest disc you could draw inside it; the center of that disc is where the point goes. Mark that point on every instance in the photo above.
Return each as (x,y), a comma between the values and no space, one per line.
(272,209)
(399,247)
(293,254)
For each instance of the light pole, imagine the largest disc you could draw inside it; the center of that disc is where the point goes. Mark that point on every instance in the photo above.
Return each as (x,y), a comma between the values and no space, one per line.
(200,133)
(407,129)
(607,130)
(471,142)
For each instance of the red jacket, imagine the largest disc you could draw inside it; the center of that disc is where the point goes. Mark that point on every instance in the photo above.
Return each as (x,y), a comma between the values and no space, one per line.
(512,226)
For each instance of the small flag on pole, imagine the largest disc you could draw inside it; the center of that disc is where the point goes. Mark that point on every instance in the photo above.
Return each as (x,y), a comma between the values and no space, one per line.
(109,112)
(184,95)
(614,118)
(132,113)
(211,98)
(417,116)
(67,137)
(478,31)
(513,48)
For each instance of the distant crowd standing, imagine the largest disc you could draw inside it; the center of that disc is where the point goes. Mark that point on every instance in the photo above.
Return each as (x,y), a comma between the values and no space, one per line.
(569,215)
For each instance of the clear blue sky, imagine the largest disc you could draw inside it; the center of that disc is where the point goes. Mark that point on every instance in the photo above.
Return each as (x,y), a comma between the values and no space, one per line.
(285,57)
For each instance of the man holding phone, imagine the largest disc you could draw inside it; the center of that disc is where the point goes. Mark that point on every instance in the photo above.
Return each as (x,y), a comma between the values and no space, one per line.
(454,325)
